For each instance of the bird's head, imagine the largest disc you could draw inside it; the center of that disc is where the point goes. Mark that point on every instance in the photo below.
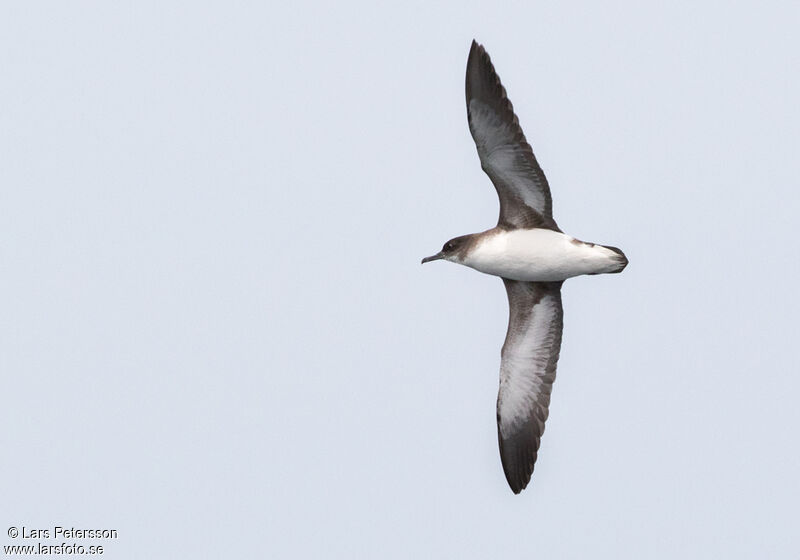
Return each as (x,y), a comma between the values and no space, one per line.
(454,250)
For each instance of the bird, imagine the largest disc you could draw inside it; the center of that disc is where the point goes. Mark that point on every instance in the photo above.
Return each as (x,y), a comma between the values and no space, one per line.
(532,256)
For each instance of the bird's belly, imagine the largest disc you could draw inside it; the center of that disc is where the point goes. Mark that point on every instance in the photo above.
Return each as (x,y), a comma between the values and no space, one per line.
(539,255)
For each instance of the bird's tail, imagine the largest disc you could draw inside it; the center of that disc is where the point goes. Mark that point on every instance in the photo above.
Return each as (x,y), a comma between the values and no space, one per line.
(620,260)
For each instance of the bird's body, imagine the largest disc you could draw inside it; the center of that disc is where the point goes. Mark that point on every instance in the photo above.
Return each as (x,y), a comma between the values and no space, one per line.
(539,255)
(532,256)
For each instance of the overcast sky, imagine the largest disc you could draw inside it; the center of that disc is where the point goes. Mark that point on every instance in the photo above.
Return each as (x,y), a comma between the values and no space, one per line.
(216,336)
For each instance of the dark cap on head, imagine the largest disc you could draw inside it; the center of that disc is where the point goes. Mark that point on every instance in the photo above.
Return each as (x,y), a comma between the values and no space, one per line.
(458,245)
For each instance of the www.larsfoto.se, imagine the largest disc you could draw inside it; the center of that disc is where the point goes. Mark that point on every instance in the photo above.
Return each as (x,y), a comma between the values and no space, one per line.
(39,548)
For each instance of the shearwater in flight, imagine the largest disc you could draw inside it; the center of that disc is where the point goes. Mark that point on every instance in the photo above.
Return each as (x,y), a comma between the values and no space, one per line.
(532,256)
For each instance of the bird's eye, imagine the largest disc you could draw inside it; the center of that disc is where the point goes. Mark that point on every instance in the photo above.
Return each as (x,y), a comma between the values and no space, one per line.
(448,246)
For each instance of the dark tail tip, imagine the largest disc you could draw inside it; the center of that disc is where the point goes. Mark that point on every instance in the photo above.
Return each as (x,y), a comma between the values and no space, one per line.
(621,259)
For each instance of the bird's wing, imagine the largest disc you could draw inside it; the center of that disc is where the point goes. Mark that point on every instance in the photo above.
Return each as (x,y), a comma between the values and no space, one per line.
(527,372)
(505,155)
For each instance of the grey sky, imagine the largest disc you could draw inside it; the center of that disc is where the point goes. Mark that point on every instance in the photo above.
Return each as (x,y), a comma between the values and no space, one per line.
(216,336)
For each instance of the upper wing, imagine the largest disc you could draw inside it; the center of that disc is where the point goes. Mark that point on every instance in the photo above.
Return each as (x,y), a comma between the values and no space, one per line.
(505,154)
(527,372)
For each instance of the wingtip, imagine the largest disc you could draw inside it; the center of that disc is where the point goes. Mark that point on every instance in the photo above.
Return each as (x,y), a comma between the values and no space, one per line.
(476,49)
(518,463)
(480,71)
(519,450)
(517,483)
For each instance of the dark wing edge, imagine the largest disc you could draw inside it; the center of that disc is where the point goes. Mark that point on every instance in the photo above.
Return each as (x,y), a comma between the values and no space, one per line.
(505,154)
(527,372)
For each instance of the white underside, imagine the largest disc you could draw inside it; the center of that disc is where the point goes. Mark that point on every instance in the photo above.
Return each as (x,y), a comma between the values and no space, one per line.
(539,255)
